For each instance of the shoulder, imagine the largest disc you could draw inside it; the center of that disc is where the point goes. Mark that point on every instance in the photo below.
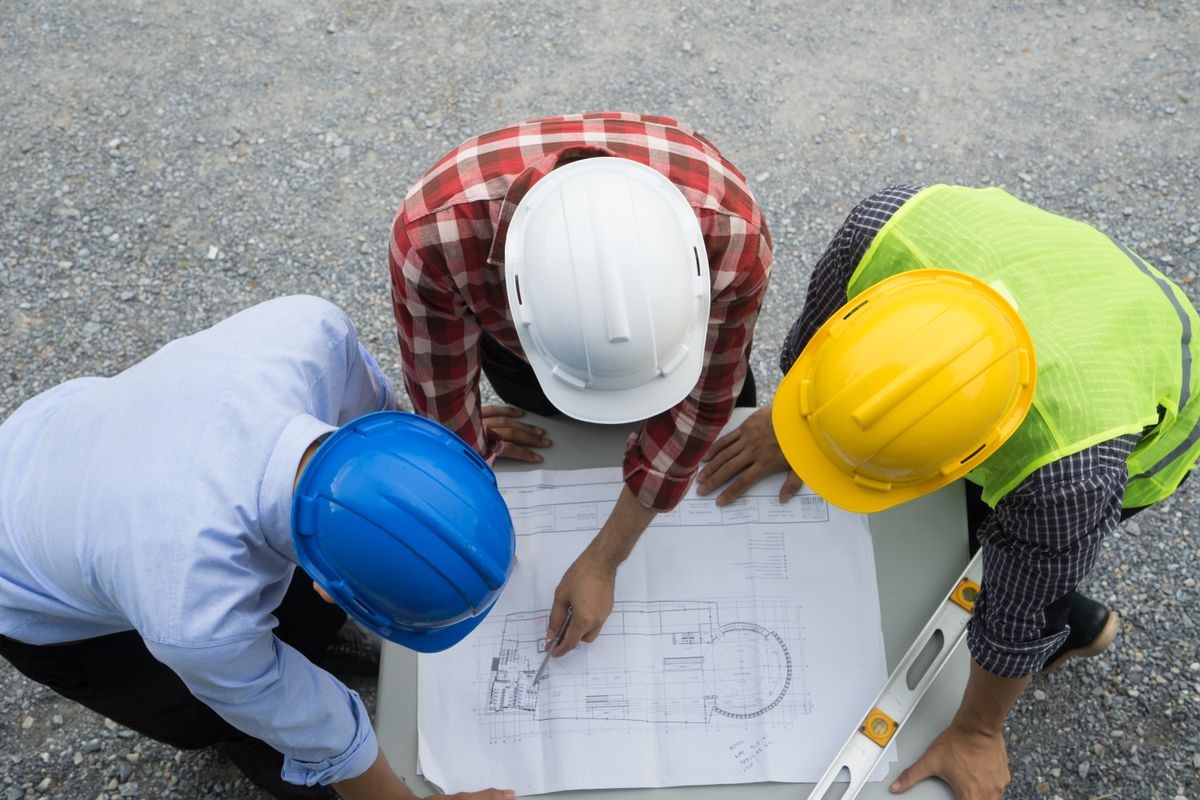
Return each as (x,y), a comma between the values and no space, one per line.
(305,306)
(289,317)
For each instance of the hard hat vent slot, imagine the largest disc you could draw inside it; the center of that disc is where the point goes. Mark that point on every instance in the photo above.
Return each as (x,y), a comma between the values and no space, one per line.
(854,310)
(359,603)
(517,282)
(974,453)
(475,459)
(696,255)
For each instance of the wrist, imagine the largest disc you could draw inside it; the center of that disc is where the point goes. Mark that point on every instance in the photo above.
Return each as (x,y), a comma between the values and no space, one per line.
(986,702)
(605,553)
(974,724)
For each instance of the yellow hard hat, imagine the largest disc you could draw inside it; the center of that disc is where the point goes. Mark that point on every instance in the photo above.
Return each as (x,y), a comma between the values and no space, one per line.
(910,385)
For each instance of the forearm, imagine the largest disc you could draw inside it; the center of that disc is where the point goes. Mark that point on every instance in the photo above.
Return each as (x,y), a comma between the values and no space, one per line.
(987,701)
(624,526)
(379,782)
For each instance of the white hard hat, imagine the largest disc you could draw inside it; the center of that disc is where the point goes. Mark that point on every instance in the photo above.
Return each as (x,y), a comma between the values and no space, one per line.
(608,286)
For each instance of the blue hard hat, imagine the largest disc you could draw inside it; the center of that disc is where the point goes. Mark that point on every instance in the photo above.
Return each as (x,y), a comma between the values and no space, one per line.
(401,522)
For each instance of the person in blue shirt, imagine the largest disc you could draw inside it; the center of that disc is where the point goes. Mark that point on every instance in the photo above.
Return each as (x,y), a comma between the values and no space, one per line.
(152,525)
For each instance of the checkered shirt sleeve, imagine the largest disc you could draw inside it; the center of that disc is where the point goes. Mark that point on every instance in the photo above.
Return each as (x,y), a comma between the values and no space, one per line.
(831,276)
(1039,542)
(1044,536)
(446,265)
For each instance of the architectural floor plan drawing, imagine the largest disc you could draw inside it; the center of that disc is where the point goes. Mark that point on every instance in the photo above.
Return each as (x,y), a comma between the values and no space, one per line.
(667,662)
(738,639)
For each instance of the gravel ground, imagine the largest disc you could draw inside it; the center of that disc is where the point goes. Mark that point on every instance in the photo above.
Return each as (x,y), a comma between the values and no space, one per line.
(164,164)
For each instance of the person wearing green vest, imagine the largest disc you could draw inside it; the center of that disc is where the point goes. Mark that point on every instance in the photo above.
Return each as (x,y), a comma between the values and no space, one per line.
(954,332)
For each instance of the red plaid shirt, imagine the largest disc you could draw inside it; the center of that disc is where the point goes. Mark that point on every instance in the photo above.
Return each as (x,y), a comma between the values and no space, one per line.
(447,267)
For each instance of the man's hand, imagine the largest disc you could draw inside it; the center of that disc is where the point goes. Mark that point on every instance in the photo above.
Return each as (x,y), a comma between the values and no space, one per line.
(588,589)
(588,585)
(973,762)
(747,455)
(515,437)
(969,755)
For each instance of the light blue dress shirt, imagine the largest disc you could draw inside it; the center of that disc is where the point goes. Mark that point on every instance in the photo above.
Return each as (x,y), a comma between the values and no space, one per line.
(159,501)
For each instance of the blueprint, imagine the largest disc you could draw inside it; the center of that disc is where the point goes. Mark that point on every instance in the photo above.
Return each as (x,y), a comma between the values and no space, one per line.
(743,645)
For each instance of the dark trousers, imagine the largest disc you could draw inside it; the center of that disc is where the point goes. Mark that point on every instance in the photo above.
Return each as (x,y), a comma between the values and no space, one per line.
(978,511)
(116,676)
(515,383)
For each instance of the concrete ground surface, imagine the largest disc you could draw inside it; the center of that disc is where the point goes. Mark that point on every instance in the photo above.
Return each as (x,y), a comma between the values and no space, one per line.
(165,164)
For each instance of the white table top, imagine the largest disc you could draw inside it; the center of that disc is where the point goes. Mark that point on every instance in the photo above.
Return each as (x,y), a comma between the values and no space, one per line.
(920,549)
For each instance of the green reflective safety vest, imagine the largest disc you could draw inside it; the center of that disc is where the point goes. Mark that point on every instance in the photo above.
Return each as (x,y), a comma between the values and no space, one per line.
(1116,343)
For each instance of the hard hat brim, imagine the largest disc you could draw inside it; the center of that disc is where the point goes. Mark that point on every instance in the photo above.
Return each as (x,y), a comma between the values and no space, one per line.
(616,406)
(434,640)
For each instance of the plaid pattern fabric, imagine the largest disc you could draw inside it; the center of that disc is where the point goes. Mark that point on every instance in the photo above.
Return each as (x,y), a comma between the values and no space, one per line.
(1044,536)
(447,269)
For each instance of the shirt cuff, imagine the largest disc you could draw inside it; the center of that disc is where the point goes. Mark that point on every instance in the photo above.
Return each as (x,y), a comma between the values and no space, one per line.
(352,762)
(653,488)
(1010,659)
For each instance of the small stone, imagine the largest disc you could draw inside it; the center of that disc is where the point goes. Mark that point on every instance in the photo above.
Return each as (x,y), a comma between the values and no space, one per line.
(1038,694)
(686,46)
(26,723)
(129,789)
(91,746)
(44,784)
(762,176)
(1025,177)
(1083,769)
(134,757)
(27,147)
(1042,788)
(13,793)
(213,252)
(56,720)
(91,329)
(1055,772)
(127,295)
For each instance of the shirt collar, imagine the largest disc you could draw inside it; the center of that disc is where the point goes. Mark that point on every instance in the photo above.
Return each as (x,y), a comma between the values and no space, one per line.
(525,181)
